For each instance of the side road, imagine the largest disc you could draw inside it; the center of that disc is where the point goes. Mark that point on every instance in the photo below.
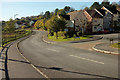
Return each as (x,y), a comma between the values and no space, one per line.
(14,65)
(97,46)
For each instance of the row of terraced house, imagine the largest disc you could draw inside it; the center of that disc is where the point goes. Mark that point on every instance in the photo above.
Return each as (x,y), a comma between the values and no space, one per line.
(92,21)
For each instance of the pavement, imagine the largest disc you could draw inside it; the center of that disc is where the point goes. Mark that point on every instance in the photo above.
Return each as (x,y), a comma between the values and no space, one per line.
(34,58)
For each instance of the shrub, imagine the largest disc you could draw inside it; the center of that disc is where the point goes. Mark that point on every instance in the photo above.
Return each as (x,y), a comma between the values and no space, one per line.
(71,33)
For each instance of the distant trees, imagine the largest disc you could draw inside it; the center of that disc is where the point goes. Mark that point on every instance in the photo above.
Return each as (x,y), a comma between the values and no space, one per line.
(56,11)
(47,15)
(64,11)
(68,9)
(95,5)
(105,3)
(86,8)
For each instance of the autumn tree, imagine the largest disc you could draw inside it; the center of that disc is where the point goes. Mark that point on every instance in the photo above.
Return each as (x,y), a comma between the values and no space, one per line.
(39,24)
(56,24)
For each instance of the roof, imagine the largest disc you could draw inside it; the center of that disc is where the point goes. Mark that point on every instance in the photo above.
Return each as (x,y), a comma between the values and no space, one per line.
(73,14)
(94,14)
(101,11)
(118,9)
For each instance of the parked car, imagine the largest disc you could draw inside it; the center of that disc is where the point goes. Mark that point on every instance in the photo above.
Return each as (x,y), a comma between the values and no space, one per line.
(105,31)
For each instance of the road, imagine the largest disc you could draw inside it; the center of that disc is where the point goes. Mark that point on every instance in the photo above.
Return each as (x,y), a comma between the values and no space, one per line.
(57,61)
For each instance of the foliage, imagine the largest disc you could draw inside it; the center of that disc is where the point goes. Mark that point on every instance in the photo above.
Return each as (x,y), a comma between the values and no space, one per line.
(39,24)
(10,26)
(23,27)
(68,9)
(95,5)
(61,11)
(47,15)
(86,8)
(11,36)
(56,11)
(56,24)
(116,45)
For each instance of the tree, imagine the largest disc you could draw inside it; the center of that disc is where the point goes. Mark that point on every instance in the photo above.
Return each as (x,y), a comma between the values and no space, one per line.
(39,24)
(10,26)
(86,8)
(105,3)
(56,11)
(61,11)
(56,24)
(95,5)
(47,15)
(68,9)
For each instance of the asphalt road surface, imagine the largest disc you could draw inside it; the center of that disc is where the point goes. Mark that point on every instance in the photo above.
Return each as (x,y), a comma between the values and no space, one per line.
(57,61)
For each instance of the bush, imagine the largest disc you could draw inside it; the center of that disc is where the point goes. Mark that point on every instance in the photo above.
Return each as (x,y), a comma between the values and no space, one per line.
(71,33)
(60,33)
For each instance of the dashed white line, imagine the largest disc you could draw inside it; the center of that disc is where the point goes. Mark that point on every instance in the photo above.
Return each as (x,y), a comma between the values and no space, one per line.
(52,50)
(87,59)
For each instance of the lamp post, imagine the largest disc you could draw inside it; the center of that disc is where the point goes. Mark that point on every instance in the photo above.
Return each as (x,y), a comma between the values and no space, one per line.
(15,22)
(15,15)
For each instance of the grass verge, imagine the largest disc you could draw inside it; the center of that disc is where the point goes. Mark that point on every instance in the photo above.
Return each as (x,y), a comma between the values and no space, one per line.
(116,45)
(8,37)
(62,39)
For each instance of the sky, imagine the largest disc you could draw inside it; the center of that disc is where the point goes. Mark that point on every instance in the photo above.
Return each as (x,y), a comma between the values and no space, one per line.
(8,8)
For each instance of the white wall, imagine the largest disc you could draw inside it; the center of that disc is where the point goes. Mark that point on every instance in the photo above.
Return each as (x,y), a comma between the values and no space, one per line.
(70,23)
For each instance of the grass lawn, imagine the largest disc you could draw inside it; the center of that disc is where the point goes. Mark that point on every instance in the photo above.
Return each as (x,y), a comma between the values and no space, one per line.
(61,39)
(116,45)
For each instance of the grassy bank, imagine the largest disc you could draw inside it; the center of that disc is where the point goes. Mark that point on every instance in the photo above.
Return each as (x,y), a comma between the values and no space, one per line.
(8,37)
(62,39)
(116,45)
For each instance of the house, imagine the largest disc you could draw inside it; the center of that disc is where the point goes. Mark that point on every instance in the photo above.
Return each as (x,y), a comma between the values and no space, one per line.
(31,23)
(111,17)
(73,19)
(96,19)
(81,21)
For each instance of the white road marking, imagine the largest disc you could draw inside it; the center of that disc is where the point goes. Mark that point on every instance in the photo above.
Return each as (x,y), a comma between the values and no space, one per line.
(31,64)
(52,50)
(87,59)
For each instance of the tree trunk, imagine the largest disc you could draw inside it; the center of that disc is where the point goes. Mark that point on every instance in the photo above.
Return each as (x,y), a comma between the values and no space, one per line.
(82,31)
(56,35)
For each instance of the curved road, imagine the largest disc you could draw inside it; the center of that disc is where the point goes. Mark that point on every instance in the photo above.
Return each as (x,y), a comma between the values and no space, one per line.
(57,61)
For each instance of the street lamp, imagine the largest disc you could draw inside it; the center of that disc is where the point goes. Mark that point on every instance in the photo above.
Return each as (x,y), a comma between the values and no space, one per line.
(15,15)
(15,22)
